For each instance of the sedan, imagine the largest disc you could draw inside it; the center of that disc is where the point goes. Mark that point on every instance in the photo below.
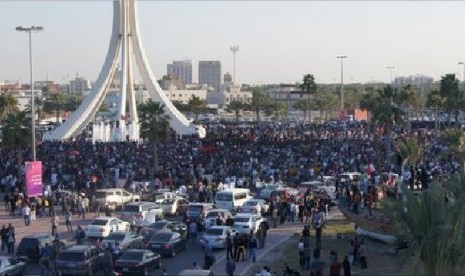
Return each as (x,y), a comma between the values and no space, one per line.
(11,266)
(174,206)
(125,239)
(216,236)
(137,262)
(255,206)
(167,243)
(174,226)
(103,226)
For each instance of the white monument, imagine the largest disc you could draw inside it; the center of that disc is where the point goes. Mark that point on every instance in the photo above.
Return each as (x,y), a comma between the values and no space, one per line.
(125,49)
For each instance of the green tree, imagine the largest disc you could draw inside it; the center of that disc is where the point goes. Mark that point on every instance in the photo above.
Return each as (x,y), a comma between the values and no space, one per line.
(308,84)
(56,103)
(236,107)
(16,134)
(154,126)
(8,104)
(197,106)
(454,99)
(454,138)
(279,109)
(406,100)
(435,101)
(259,102)
(433,227)
(411,152)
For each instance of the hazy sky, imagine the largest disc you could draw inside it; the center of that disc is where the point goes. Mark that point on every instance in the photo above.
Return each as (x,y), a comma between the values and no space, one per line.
(279,41)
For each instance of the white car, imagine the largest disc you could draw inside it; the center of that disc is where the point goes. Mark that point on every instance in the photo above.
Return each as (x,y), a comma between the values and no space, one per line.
(213,214)
(124,238)
(216,236)
(245,222)
(174,206)
(102,227)
(259,206)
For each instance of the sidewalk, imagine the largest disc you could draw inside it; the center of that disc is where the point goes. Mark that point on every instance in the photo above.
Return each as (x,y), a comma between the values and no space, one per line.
(275,237)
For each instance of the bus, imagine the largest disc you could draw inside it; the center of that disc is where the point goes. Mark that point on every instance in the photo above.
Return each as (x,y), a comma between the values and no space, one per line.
(231,199)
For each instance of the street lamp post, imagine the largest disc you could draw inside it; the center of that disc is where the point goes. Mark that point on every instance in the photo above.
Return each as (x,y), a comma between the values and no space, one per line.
(342,57)
(463,76)
(234,50)
(29,30)
(390,68)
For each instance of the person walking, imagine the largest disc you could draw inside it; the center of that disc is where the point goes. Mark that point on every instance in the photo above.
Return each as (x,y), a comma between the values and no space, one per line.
(26,210)
(209,257)
(33,210)
(347,266)
(4,235)
(230,267)
(229,247)
(275,217)
(253,249)
(54,220)
(11,239)
(362,253)
(68,219)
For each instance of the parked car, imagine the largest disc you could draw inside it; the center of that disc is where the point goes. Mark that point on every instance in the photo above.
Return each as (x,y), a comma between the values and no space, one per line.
(30,246)
(174,226)
(255,206)
(213,214)
(11,266)
(125,239)
(197,211)
(141,209)
(244,223)
(146,234)
(79,260)
(137,262)
(216,236)
(167,243)
(174,206)
(102,227)
(115,197)
(160,196)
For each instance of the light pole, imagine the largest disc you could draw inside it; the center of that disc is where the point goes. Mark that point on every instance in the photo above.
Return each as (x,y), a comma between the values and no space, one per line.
(234,50)
(342,57)
(463,76)
(390,68)
(29,30)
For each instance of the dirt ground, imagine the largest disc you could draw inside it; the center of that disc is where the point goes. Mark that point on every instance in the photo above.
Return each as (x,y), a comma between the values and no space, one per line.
(336,235)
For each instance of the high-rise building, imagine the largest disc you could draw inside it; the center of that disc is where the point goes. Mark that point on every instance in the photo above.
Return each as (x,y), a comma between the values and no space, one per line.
(79,85)
(181,69)
(210,73)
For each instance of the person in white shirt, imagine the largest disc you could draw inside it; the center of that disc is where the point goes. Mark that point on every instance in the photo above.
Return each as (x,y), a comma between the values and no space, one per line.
(26,214)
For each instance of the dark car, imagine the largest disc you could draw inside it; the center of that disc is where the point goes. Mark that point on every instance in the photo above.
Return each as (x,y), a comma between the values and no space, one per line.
(167,243)
(174,226)
(11,266)
(30,246)
(197,211)
(137,262)
(79,259)
(146,234)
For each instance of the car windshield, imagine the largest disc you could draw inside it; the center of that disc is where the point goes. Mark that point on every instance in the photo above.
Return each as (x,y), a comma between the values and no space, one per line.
(132,256)
(213,214)
(241,219)
(167,202)
(159,225)
(214,232)
(72,256)
(131,208)
(29,243)
(251,203)
(100,222)
(161,237)
(196,208)
(224,197)
(116,236)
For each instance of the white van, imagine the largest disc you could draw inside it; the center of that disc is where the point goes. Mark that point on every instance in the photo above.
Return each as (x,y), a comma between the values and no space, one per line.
(231,199)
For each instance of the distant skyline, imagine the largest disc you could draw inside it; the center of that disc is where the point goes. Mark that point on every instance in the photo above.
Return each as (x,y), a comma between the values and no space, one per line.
(279,41)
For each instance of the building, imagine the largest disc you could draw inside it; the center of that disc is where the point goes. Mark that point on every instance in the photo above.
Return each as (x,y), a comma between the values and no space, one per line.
(181,69)
(79,85)
(418,81)
(210,74)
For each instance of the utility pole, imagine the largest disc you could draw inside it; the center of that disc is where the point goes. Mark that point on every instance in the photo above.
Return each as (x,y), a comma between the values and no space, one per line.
(234,49)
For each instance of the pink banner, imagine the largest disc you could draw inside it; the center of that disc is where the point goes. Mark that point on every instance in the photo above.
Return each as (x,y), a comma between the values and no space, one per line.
(34,179)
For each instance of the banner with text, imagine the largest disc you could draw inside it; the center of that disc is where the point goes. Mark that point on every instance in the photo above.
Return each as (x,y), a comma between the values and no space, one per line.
(34,185)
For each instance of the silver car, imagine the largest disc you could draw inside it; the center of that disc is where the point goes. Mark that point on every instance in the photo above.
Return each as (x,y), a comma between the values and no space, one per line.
(216,236)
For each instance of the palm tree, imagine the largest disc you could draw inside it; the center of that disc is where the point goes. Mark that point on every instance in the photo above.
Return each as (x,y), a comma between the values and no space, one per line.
(197,106)
(154,126)
(433,227)
(406,99)
(16,134)
(411,151)
(55,103)
(8,104)
(259,102)
(436,101)
(236,107)
(454,138)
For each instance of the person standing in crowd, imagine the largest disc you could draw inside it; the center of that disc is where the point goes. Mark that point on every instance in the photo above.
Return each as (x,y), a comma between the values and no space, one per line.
(253,248)
(230,267)
(193,231)
(26,210)
(229,221)
(275,217)
(54,220)
(317,267)
(80,235)
(209,257)
(347,266)
(4,235)
(68,221)
(335,267)
(362,253)
(229,247)
(11,239)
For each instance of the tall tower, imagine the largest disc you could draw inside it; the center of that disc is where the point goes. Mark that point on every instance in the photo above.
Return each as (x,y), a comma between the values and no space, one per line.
(210,73)
(124,50)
